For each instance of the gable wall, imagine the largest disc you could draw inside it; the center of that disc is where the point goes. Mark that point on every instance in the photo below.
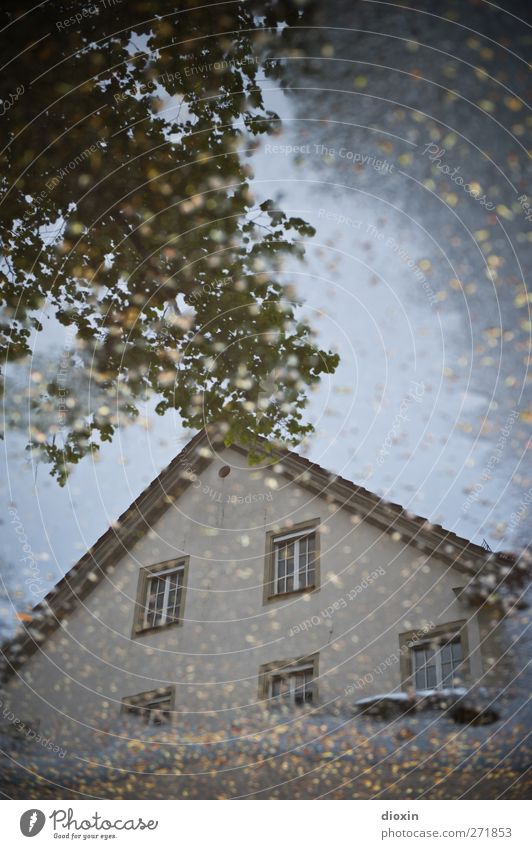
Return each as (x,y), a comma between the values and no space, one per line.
(91,663)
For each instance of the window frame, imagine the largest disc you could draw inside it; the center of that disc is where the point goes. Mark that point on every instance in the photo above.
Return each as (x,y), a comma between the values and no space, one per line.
(146,575)
(132,705)
(441,634)
(296,532)
(435,662)
(288,667)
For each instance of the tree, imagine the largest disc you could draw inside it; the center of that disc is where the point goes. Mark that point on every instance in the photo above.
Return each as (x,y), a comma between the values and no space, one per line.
(128,215)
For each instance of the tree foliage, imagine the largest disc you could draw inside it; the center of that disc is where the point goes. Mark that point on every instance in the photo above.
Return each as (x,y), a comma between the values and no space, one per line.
(128,216)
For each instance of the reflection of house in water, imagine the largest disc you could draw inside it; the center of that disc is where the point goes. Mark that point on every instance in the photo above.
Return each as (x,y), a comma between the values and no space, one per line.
(226,586)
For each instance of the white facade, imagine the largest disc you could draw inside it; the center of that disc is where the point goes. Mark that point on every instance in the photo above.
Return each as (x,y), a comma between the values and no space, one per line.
(374,586)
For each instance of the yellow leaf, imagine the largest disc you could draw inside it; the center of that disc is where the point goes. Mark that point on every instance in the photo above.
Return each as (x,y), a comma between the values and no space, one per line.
(513,103)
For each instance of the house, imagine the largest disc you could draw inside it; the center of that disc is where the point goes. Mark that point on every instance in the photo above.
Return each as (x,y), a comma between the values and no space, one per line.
(225,587)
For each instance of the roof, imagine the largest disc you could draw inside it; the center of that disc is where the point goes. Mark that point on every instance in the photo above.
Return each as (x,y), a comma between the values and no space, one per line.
(173,480)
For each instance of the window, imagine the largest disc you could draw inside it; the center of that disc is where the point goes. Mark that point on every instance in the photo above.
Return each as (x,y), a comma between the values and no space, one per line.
(160,595)
(435,666)
(154,707)
(294,686)
(163,597)
(289,682)
(292,562)
(433,658)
